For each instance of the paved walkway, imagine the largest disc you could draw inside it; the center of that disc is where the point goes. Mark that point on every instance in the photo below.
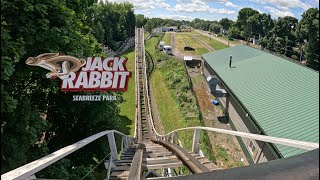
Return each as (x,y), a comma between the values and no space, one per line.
(215,38)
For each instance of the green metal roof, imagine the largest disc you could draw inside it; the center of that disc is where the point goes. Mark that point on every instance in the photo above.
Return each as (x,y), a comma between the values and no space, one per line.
(282,96)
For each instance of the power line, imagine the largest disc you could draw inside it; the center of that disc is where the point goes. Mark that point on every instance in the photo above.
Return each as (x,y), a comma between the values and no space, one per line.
(95,167)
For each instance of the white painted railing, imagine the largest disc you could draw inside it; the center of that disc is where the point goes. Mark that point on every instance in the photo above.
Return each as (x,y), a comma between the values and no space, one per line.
(29,169)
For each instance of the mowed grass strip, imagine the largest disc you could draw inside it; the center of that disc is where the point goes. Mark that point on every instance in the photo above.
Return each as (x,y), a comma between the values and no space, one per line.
(167,39)
(216,45)
(151,43)
(189,41)
(127,107)
(170,114)
(181,43)
(200,49)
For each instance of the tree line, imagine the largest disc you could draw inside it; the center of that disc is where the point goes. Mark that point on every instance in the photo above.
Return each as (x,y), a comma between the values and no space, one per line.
(37,117)
(297,39)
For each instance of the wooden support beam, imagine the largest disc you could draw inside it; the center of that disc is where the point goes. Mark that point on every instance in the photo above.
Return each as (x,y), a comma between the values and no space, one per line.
(113,146)
(195,142)
(174,137)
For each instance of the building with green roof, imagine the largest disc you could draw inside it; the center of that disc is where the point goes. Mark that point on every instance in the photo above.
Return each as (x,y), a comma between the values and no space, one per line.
(270,95)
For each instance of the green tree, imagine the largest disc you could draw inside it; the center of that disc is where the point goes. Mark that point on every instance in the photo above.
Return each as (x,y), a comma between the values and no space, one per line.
(140,20)
(247,21)
(37,118)
(308,28)
(267,24)
(216,28)
(225,23)
(284,31)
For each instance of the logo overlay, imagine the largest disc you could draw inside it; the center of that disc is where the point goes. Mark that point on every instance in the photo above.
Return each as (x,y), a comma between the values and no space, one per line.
(90,75)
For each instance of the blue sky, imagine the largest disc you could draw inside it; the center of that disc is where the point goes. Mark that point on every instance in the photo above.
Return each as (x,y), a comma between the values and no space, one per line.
(217,9)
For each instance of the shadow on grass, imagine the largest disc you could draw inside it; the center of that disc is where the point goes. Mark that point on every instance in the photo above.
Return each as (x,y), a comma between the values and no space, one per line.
(123,124)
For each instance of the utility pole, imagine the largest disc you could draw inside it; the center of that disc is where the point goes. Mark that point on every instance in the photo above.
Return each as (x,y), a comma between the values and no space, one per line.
(285,53)
(300,59)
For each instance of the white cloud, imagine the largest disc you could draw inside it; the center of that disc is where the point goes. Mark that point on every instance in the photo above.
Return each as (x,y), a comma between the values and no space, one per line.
(144,5)
(258,1)
(198,6)
(278,13)
(215,0)
(260,11)
(174,16)
(285,4)
(230,4)
(187,6)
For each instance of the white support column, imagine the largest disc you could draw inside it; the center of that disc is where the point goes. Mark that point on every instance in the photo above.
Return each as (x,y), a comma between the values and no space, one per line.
(113,146)
(195,143)
(175,137)
(122,145)
(126,142)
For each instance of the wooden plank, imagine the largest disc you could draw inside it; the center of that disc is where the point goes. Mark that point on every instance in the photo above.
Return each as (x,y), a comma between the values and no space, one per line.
(160,166)
(120,173)
(113,146)
(162,161)
(121,168)
(135,170)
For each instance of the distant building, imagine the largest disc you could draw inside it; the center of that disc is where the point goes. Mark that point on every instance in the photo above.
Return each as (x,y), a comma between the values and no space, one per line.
(266,95)
(169,29)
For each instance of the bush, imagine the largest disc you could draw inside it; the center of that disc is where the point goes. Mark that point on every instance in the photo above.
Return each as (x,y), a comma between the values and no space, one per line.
(294,57)
(176,79)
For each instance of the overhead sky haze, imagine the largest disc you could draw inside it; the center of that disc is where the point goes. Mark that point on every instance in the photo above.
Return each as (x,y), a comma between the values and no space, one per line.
(217,9)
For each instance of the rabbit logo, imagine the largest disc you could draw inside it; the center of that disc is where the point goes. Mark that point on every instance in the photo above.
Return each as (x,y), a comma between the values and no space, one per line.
(59,65)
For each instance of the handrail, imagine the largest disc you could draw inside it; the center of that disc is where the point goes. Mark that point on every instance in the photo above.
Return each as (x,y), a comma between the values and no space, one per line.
(31,168)
(276,140)
(137,84)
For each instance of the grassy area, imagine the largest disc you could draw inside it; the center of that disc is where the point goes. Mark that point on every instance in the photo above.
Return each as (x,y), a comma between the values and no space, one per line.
(127,108)
(185,40)
(216,45)
(169,96)
(146,34)
(167,38)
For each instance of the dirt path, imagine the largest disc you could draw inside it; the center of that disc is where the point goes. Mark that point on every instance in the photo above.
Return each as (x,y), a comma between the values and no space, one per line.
(203,44)
(215,38)
(175,51)
(226,148)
